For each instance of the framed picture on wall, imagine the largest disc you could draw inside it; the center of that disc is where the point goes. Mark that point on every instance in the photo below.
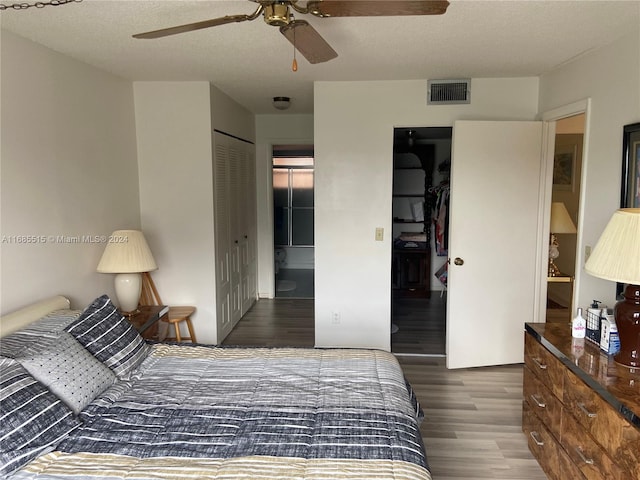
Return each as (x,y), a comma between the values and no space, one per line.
(564,167)
(630,193)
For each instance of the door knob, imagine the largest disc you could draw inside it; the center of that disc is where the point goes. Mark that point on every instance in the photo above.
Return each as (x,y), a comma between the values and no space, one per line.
(458,261)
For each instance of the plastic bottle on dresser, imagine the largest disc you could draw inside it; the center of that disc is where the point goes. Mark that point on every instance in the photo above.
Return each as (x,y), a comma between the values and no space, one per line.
(614,338)
(578,325)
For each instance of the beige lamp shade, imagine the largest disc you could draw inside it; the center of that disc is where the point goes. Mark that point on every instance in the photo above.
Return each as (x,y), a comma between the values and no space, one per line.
(560,220)
(127,252)
(616,256)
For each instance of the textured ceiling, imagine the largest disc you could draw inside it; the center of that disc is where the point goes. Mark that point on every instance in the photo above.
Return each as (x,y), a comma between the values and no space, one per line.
(251,61)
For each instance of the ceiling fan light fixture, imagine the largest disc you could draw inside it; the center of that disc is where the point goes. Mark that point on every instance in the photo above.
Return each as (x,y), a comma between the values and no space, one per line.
(277,14)
(281,103)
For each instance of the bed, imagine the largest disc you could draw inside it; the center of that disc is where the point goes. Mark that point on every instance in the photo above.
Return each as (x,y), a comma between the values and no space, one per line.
(83,396)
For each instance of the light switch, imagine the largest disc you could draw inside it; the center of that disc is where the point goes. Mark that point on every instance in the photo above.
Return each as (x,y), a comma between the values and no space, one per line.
(379,234)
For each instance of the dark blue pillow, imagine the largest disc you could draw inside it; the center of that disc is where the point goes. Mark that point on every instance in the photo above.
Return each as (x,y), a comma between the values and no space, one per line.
(32,420)
(109,337)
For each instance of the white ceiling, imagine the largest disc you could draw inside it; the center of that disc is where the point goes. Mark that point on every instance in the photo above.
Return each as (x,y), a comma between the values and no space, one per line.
(251,61)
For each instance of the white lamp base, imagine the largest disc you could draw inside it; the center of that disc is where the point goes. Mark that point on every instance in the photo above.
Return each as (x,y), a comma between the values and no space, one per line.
(128,287)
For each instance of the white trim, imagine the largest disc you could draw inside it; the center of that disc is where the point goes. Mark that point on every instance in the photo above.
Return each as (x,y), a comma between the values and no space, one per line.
(575,108)
(549,119)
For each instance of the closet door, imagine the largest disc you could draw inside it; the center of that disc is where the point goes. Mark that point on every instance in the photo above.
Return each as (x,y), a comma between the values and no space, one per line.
(495,187)
(236,214)
(222,235)
(247,229)
(235,230)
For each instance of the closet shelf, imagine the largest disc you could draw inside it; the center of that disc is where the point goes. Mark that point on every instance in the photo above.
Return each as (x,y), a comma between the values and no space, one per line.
(402,220)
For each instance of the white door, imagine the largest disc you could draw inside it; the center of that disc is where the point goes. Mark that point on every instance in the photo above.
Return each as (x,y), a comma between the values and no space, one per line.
(493,232)
(222,240)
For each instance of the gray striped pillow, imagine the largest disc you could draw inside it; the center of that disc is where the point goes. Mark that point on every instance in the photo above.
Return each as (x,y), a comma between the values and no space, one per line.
(32,419)
(103,331)
(38,333)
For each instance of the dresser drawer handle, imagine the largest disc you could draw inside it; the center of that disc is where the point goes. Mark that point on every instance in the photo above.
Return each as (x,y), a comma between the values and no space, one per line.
(588,461)
(589,414)
(533,435)
(538,402)
(541,366)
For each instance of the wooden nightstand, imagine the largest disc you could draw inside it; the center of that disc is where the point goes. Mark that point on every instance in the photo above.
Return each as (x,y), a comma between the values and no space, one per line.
(146,321)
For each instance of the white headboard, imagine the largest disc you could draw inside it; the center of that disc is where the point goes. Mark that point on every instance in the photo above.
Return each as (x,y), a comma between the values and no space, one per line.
(20,318)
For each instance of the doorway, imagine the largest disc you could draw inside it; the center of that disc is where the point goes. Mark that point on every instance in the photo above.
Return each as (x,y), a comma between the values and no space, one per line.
(421,166)
(565,207)
(293,220)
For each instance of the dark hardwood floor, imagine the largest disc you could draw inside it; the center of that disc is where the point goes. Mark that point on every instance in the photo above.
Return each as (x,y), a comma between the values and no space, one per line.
(283,322)
(473,417)
(421,325)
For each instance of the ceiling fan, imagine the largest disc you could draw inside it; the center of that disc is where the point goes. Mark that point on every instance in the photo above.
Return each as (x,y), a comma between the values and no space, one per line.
(300,33)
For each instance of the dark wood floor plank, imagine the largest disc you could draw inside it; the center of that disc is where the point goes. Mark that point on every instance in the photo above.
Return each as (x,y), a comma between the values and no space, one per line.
(421,325)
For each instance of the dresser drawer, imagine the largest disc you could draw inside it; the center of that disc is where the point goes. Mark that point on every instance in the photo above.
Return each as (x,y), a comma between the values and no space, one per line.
(541,443)
(567,470)
(544,365)
(619,438)
(542,402)
(590,458)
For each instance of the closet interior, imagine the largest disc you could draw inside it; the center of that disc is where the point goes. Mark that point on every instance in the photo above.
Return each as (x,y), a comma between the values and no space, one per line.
(421,167)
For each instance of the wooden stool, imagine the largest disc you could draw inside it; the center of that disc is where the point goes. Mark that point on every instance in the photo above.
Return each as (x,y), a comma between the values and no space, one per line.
(175,317)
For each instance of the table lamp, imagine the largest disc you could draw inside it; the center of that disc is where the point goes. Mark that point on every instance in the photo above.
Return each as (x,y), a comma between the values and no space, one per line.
(127,254)
(616,257)
(560,223)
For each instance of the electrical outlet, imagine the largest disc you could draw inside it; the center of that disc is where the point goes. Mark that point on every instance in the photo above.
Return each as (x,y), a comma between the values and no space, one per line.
(379,234)
(335,318)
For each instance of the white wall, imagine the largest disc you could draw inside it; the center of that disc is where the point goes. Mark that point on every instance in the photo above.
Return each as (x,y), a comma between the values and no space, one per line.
(175,122)
(68,168)
(230,117)
(273,130)
(354,124)
(611,78)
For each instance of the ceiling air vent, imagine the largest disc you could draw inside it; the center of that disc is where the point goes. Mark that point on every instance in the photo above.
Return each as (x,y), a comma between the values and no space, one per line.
(449,92)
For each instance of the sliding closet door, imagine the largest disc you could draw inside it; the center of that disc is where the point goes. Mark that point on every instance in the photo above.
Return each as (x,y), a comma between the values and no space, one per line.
(248,277)
(222,235)
(235,229)
(495,187)
(235,220)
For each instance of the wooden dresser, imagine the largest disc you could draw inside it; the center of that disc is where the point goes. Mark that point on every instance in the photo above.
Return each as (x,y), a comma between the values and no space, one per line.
(581,410)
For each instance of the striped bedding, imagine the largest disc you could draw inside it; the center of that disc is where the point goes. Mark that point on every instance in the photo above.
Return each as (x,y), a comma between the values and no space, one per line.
(198,412)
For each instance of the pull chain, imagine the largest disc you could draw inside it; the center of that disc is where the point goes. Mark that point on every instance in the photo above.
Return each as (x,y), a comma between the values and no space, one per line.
(24,6)
(294,65)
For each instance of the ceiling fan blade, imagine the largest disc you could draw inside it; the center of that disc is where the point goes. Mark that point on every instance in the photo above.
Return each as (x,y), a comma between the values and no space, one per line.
(374,8)
(194,26)
(308,41)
